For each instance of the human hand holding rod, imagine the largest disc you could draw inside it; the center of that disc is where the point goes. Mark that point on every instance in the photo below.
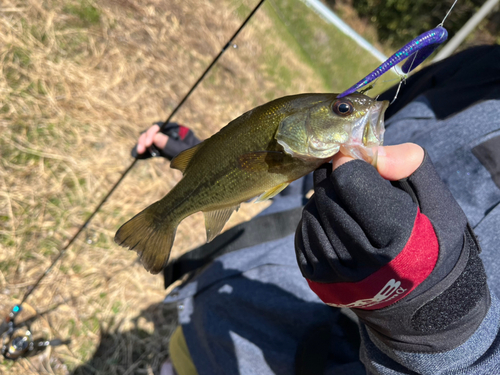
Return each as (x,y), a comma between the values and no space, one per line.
(167,141)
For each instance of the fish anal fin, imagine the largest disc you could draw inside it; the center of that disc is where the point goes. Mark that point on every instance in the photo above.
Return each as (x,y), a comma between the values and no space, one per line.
(215,220)
(182,160)
(261,160)
(268,194)
(152,240)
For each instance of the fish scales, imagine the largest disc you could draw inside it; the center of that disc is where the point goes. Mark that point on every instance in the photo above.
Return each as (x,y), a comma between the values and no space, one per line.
(259,153)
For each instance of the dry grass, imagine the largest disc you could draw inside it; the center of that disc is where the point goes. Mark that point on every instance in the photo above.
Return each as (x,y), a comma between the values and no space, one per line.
(79,79)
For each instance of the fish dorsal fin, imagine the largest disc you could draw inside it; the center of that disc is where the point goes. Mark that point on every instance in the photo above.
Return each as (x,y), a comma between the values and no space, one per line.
(182,160)
(261,160)
(268,194)
(215,221)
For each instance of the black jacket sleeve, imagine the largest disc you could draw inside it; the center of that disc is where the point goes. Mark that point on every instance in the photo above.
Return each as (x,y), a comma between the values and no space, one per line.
(400,255)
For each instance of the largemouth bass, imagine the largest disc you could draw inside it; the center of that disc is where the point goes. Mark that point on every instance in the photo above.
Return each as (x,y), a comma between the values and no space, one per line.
(257,154)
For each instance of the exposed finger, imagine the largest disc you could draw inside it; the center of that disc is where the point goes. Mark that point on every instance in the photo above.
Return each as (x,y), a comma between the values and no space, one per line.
(141,144)
(340,159)
(393,162)
(400,161)
(160,140)
(150,133)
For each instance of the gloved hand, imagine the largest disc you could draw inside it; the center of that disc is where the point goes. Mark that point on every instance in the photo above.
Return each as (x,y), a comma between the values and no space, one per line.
(400,255)
(167,141)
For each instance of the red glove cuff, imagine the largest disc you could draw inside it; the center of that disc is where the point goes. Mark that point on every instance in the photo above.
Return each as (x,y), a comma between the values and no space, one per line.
(391,282)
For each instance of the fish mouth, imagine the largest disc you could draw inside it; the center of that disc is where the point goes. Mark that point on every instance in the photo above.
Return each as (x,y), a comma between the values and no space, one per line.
(373,134)
(367,134)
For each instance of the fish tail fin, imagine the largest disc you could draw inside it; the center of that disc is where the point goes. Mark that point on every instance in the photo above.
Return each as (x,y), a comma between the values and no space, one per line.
(150,235)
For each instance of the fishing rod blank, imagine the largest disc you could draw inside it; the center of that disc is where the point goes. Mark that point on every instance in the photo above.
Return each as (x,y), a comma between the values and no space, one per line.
(8,322)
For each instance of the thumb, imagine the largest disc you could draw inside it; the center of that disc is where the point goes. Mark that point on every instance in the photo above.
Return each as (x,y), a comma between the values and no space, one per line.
(400,161)
(393,162)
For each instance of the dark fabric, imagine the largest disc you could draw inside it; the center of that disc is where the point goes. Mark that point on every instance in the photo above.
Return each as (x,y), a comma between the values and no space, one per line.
(212,317)
(354,224)
(180,138)
(450,306)
(488,153)
(442,318)
(251,233)
(315,348)
(449,222)
(453,84)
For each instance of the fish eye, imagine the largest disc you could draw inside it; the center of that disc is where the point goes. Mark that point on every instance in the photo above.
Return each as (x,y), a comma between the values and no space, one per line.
(342,107)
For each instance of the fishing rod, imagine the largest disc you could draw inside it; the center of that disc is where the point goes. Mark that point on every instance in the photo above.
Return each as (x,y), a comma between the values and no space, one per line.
(15,346)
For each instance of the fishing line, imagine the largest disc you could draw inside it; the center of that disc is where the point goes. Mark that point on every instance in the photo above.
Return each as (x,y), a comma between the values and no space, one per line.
(7,326)
(404,77)
(426,43)
(414,52)
(447,14)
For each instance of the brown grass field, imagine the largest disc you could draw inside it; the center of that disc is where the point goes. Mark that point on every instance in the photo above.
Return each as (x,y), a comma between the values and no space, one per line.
(79,80)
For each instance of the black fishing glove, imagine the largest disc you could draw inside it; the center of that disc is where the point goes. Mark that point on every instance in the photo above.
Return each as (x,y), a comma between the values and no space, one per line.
(401,256)
(180,138)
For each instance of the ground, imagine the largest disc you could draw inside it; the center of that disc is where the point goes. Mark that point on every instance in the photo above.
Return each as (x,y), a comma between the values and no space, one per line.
(79,80)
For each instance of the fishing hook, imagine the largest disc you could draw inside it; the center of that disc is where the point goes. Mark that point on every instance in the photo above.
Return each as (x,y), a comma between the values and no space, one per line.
(425,43)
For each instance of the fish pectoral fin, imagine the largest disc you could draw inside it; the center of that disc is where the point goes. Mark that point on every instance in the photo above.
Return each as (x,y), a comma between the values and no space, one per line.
(261,161)
(268,194)
(215,220)
(182,160)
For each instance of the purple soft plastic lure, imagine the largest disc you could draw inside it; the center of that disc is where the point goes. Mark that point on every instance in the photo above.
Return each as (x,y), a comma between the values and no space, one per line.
(420,48)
